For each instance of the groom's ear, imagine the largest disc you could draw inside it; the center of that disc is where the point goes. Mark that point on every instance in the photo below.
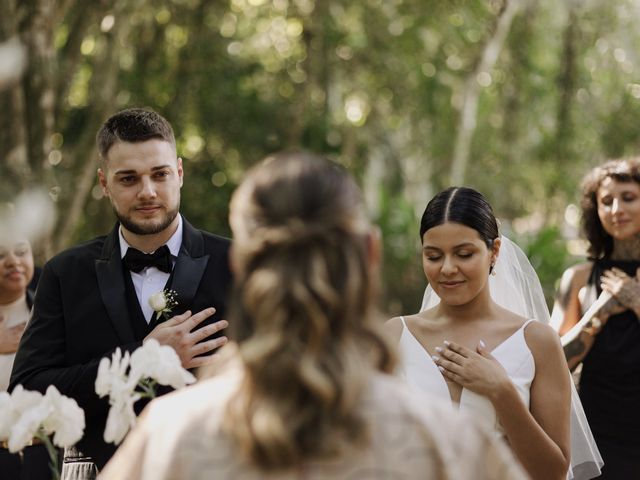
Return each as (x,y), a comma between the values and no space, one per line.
(102,179)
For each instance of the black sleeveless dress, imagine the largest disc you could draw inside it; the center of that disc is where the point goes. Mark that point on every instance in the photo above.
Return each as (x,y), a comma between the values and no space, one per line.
(610,385)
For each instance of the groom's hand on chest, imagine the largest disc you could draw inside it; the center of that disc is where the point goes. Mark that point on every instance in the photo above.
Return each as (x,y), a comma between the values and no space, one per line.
(178,332)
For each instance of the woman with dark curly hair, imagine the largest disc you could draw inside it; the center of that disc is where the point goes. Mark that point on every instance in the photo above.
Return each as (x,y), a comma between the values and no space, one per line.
(608,345)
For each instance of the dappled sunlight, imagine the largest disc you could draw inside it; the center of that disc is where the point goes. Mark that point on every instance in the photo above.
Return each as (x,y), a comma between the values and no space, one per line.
(409,84)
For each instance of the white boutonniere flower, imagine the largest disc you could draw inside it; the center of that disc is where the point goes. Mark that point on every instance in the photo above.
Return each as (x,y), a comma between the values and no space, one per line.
(163,302)
(161,364)
(53,419)
(126,379)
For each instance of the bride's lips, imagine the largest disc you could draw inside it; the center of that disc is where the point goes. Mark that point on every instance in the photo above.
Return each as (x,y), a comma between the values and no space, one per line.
(451,284)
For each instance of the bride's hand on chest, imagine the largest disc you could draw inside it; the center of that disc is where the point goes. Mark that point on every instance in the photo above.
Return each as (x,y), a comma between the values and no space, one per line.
(477,370)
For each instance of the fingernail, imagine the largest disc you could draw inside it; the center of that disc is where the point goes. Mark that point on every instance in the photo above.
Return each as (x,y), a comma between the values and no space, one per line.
(441,368)
(482,344)
(435,358)
(446,343)
(439,349)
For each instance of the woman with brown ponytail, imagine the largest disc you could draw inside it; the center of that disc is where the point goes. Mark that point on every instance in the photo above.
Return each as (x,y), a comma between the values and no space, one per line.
(304,391)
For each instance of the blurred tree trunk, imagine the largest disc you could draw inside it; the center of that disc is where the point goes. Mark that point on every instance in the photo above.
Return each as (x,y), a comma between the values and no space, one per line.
(567,80)
(313,104)
(103,89)
(563,151)
(14,167)
(472,90)
(36,31)
(28,107)
(33,108)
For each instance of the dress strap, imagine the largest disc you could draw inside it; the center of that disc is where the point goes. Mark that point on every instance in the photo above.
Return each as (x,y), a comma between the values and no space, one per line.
(404,324)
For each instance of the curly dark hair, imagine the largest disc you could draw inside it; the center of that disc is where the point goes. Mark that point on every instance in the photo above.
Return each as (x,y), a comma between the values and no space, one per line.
(620,170)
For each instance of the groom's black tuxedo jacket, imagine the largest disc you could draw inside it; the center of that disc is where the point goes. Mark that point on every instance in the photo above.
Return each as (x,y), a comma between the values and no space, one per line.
(81,314)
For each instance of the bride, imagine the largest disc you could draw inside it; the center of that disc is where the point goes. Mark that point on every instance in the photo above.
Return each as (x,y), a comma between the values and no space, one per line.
(503,366)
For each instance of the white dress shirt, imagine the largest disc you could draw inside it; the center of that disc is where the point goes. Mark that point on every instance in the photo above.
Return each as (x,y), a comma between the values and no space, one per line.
(151,280)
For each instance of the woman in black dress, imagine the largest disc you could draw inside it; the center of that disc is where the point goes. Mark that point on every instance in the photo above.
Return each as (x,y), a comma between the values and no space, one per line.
(608,346)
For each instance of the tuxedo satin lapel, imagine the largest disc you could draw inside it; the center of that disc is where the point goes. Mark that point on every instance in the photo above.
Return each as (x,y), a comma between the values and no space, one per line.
(111,285)
(187,276)
(189,268)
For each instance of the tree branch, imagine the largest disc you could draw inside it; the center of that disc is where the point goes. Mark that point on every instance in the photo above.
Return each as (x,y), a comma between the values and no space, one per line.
(472,89)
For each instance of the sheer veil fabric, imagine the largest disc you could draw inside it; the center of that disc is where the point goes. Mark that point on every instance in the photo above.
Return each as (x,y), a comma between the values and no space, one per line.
(516,287)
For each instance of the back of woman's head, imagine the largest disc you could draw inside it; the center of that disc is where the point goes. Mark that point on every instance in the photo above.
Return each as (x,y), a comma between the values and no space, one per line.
(462,205)
(302,311)
(621,170)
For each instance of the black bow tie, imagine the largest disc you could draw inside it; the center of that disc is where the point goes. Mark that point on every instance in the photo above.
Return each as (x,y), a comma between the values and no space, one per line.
(136,261)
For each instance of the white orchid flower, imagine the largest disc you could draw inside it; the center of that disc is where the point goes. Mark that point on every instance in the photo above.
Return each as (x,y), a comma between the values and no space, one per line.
(121,419)
(66,420)
(150,364)
(18,417)
(28,424)
(112,374)
(6,417)
(25,415)
(161,363)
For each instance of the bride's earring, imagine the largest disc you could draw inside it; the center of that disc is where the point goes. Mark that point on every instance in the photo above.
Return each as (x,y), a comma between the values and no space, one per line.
(492,270)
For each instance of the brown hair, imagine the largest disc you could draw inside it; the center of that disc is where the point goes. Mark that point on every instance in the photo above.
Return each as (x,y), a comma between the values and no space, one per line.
(133,125)
(622,170)
(303,313)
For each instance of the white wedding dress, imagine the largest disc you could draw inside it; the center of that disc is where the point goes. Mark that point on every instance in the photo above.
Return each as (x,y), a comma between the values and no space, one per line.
(516,287)
(423,377)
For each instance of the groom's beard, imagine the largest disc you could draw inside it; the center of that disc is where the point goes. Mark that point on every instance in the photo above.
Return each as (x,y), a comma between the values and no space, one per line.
(147,228)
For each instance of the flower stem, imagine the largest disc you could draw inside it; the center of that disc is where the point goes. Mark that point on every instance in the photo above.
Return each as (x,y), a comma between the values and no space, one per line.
(53,454)
(148,387)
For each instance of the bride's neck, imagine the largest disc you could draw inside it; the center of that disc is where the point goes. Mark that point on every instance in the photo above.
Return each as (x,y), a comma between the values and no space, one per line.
(480,307)
(627,249)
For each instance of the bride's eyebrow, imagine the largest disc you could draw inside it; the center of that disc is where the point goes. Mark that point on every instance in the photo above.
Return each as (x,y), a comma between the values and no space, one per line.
(464,245)
(460,245)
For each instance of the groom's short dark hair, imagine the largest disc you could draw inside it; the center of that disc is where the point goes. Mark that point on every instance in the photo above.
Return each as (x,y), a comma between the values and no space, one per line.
(133,125)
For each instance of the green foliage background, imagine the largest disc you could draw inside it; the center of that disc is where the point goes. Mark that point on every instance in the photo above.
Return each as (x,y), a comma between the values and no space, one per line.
(378,85)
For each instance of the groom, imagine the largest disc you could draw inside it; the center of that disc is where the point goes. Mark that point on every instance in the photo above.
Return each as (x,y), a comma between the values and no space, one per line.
(93,297)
